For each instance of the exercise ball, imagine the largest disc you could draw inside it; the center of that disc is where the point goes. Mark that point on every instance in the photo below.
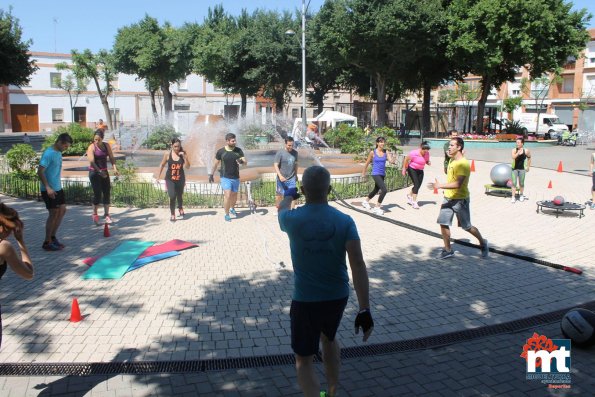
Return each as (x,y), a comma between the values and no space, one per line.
(578,325)
(500,174)
(558,200)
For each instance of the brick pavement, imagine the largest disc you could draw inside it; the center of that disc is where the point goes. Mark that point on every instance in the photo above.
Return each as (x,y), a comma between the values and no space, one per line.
(229,297)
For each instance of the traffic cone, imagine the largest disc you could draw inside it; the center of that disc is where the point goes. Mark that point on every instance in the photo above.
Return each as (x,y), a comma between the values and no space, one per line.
(106,231)
(560,167)
(472,165)
(75,312)
(549,186)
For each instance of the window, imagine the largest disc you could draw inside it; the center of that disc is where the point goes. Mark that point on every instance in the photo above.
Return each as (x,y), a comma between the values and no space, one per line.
(567,84)
(182,85)
(516,92)
(55,79)
(57,115)
(295,113)
(181,106)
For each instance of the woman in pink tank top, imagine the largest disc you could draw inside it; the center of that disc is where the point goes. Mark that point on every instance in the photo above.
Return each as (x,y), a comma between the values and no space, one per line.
(414,165)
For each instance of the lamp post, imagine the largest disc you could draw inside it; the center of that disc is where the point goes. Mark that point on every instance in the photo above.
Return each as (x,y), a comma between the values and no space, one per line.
(303,47)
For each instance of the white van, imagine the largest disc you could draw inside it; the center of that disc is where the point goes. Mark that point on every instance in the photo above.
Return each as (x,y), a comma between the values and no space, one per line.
(549,124)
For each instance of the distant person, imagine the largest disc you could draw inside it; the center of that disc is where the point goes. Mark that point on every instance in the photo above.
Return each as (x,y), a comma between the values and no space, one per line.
(98,153)
(50,176)
(101,125)
(26,139)
(456,199)
(175,178)
(9,257)
(231,157)
(286,166)
(521,162)
(320,236)
(378,158)
(414,165)
(592,170)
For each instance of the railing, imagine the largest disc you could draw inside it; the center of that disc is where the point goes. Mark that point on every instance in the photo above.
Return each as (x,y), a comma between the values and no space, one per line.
(196,195)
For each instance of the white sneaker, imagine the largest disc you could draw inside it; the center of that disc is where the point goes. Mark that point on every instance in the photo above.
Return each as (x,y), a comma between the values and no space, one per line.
(378,211)
(409,199)
(513,200)
(415,205)
(366,205)
(523,198)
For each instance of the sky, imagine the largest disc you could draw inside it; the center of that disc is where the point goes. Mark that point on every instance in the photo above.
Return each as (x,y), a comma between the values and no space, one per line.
(62,25)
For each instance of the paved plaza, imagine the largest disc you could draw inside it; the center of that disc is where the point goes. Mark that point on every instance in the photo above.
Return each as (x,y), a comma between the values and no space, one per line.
(229,297)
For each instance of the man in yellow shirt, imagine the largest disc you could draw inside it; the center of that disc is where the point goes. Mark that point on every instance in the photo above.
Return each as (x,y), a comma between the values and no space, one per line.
(456,199)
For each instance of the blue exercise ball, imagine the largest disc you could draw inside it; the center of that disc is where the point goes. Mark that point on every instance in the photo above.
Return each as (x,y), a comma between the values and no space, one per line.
(500,174)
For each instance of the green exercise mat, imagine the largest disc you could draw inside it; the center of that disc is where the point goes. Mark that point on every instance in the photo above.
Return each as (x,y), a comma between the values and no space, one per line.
(115,264)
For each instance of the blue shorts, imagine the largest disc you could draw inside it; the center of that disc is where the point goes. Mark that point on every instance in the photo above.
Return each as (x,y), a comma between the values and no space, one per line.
(230,184)
(288,184)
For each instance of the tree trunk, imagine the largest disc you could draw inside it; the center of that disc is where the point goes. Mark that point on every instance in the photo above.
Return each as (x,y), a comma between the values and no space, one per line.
(103,98)
(167,98)
(425,111)
(244,101)
(153,104)
(381,100)
(485,90)
(279,101)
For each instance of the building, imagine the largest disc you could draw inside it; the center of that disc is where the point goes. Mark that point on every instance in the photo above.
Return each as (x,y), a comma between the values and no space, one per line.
(43,106)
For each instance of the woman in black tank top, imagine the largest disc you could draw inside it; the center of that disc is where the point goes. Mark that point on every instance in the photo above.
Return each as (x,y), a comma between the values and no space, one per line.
(175,179)
(9,258)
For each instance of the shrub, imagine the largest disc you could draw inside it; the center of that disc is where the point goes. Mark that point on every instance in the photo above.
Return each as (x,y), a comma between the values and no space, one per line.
(354,140)
(81,138)
(23,161)
(161,137)
(127,172)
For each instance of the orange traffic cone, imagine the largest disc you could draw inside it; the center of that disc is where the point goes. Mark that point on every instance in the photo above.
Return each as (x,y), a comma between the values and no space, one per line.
(75,312)
(560,167)
(106,231)
(549,186)
(472,165)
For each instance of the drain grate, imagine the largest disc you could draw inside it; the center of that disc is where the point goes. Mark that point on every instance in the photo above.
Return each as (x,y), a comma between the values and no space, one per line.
(193,366)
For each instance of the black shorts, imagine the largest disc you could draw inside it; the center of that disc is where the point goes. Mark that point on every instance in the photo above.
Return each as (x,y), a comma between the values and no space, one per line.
(55,202)
(309,319)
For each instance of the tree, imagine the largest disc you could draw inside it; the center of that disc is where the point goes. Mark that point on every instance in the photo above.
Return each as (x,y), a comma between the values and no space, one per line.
(494,38)
(154,52)
(16,66)
(512,103)
(538,89)
(468,94)
(99,68)
(72,84)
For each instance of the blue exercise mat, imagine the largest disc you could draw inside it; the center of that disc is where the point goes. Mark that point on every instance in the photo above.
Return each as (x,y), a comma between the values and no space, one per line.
(115,264)
(149,259)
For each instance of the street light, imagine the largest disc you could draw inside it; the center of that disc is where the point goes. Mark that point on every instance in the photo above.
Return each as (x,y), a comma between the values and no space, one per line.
(303,46)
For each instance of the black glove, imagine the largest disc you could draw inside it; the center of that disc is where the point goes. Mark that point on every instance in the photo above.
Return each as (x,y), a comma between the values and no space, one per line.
(364,320)
(211,178)
(291,192)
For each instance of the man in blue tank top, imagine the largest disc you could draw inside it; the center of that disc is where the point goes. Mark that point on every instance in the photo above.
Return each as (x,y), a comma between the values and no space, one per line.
(319,237)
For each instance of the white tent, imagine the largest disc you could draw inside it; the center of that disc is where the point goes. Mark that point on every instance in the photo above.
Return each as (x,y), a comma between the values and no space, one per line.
(333,118)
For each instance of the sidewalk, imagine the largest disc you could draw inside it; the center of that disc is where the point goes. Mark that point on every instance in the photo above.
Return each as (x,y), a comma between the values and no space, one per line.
(230,298)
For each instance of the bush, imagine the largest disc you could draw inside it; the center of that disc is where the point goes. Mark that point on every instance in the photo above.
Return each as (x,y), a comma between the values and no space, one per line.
(81,138)
(23,161)
(354,140)
(127,172)
(161,137)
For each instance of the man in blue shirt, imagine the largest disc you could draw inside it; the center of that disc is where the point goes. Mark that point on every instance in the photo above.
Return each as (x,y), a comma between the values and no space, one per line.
(50,176)
(319,237)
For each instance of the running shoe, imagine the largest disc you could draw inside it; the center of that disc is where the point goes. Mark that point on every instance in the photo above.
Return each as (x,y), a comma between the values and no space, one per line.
(50,246)
(513,200)
(227,218)
(96,219)
(56,242)
(409,199)
(523,198)
(233,212)
(366,205)
(181,214)
(446,254)
(593,206)
(172,218)
(378,211)
(108,219)
(485,249)
(415,205)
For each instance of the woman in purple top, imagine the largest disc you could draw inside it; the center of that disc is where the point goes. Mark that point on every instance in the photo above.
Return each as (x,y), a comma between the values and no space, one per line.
(98,153)
(414,165)
(378,157)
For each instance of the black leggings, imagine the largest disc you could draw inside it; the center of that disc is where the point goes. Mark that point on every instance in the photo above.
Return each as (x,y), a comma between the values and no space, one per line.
(101,187)
(175,190)
(417,176)
(378,185)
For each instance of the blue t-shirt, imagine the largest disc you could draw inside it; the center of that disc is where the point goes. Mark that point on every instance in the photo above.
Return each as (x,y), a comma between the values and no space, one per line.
(51,160)
(317,235)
